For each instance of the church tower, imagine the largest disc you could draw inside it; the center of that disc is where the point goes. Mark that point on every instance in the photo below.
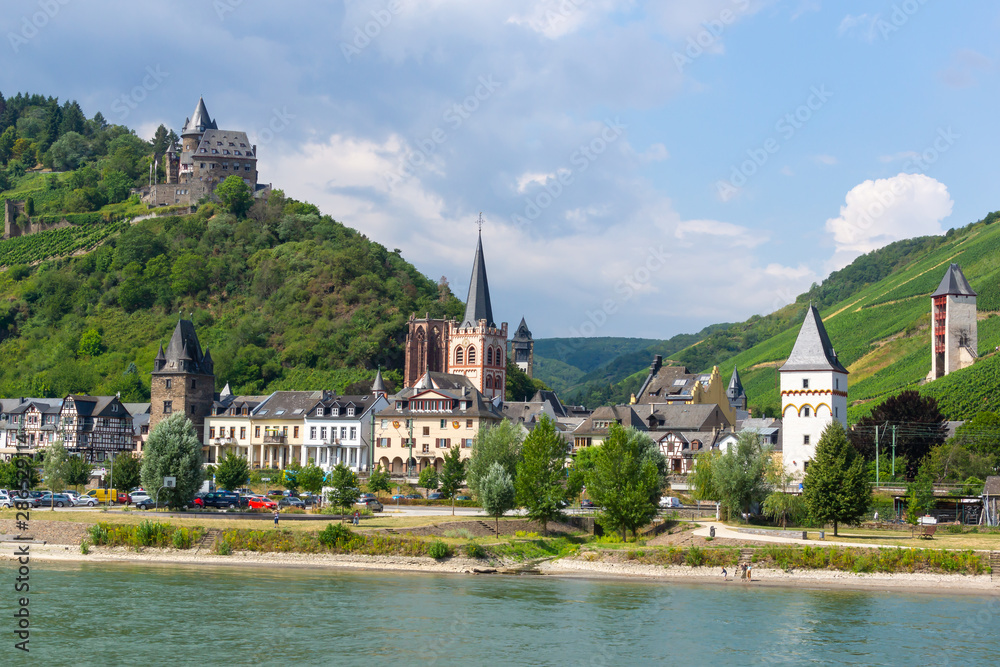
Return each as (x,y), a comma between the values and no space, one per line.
(477,346)
(183,379)
(813,393)
(522,347)
(954,341)
(735,392)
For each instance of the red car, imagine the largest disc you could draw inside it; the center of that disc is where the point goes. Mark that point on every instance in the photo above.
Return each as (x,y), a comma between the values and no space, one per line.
(124,497)
(262,503)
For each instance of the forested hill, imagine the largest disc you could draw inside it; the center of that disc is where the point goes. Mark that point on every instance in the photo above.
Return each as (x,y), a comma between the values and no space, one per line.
(284,297)
(877,312)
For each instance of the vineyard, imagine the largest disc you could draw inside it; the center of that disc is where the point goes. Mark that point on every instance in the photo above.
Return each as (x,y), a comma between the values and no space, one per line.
(57,242)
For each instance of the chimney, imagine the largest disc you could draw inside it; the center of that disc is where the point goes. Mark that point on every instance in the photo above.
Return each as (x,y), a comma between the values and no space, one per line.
(657,364)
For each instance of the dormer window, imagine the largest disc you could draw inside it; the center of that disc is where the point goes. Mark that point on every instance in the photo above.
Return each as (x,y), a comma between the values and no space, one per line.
(350,411)
(334,412)
(319,412)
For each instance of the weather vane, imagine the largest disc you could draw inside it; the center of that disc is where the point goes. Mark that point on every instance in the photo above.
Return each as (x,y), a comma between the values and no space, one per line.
(480,223)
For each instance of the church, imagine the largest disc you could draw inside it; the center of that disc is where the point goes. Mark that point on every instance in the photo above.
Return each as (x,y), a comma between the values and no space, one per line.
(475,347)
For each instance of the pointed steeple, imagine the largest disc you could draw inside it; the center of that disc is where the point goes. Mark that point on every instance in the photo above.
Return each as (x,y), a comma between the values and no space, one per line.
(200,121)
(225,393)
(160,360)
(478,306)
(812,350)
(378,386)
(954,283)
(522,333)
(735,385)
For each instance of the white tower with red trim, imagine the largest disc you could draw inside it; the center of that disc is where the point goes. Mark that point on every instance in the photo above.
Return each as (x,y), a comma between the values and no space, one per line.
(813,393)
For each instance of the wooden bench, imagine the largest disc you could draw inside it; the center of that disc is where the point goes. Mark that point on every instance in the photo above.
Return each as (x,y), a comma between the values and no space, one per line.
(926,531)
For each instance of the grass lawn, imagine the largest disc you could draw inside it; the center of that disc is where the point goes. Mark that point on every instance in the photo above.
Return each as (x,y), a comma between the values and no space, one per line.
(901,538)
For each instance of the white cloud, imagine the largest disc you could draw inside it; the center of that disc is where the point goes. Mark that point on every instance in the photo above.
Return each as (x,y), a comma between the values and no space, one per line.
(879,212)
(860,27)
(734,235)
(963,69)
(655,153)
(825,160)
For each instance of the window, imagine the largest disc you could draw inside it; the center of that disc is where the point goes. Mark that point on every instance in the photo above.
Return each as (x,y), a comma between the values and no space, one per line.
(354,432)
(489,380)
(168,407)
(312,432)
(284,431)
(192,409)
(232,431)
(489,356)
(805,384)
(322,432)
(836,413)
(385,423)
(425,448)
(257,432)
(114,407)
(350,411)
(472,355)
(427,430)
(295,432)
(343,432)
(459,356)
(334,412)
(836,383)
(384,442)
(466,443)
(169,383)
(319,412)
(805,440)
(243,432)
(468,423)
(211,432)
(194,384)
(805,411)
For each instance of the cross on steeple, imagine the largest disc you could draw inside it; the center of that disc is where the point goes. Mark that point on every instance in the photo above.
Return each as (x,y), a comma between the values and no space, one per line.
(480,222)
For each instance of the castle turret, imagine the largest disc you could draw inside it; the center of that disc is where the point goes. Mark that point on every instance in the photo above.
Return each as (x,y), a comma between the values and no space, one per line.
(954,338)
(735,392)
(522,347)
(183,379)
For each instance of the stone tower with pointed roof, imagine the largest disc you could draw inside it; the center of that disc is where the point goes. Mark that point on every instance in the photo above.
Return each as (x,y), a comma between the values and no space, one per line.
(522,346)
(183,379)
(954,339)
(813,393)
(735,392)
(476,347)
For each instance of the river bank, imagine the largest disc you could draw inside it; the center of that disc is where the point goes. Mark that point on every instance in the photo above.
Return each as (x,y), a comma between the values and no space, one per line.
(570,567)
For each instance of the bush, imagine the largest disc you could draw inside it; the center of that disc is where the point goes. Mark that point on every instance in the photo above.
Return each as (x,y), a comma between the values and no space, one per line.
(85,547)
(223,548)
(439,550)
(695,557)
(459,533)
(473,550)
(181,539)
(335,534)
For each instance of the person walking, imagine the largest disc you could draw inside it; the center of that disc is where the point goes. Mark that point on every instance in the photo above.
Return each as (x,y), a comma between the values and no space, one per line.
(724,573)
(275,517)
(743,572)
(749,572)
(357,518)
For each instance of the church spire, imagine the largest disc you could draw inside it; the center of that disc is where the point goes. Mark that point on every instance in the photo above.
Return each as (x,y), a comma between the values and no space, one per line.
(812,350)
(478,306)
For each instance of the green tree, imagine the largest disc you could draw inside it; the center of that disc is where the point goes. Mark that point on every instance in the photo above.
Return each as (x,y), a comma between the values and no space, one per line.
(501,444)
(91,344)
(836,488)
(919,426)
(452,474)
(381,482)
(520,387)
(126,471)
(496,492)
(69,151)
(235,196)
(626,480)
(290,475)
(117,186)
(311,478)
(345,490)
(173,450)
(980,435)
(920,493)
(583,462)
(428,479)
(11,476)
(135,294)
(703,478)
(189,275)
(232,471)
(541,474)
(78,472)
(740,475)
(56,467)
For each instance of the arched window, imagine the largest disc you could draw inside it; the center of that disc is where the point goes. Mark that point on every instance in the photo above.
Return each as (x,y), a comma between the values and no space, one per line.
(498,357)
(489,380)
(459,356)
(489,356)
(805,411)
(472,355)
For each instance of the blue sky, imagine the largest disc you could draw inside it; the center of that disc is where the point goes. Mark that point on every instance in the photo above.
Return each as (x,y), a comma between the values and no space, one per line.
(643,168)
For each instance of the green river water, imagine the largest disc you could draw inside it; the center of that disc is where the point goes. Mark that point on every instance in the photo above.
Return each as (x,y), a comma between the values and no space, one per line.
(101,614)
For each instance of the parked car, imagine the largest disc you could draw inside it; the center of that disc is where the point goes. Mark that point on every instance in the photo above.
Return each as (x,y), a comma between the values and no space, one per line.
(435,496)
(124,498)
(222,499)
(83,501)
(55,500)
(5,500)
(670,502)
(310,499)
(262,503)
(145,503)
(291,502)
(137,497)
(462,498)
(275,492)
(26,502)
(399,496)
(367,496)
(413,496)
(372,504)
(586,504)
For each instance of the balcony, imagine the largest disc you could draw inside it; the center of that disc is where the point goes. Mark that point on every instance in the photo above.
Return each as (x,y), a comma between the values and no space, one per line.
(274,439)
(225,440)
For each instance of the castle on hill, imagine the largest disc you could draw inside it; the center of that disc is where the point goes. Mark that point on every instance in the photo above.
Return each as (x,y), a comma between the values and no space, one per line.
(205,157)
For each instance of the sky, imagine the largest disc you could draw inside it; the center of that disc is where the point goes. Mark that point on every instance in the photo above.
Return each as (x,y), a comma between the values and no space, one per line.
(642,168)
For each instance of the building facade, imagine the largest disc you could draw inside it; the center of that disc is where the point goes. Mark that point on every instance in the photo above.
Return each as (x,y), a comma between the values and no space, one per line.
(813,393)
(183,380)
(954,337)
(96,427)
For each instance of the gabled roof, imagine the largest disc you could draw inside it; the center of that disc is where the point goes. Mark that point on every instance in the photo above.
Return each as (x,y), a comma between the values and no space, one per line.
(287,405)
(677,416)
(813,350)
(478,306)
(620,414)
(954,283)
(458,387)
(99,406)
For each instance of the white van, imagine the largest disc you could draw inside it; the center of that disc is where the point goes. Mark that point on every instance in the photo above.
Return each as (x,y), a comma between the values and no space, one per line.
(668,502)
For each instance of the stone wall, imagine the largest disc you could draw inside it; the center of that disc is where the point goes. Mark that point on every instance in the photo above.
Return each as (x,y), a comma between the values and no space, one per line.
(11,229)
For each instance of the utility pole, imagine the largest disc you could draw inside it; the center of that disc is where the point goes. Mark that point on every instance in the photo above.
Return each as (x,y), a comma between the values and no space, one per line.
(893,451)
(409,460)
(876,458)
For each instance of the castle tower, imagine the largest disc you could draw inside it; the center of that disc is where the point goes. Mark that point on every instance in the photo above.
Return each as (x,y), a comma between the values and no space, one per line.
(426,348)
(522,347)
(954,341)
(477,347)
(813,393)
(735,392)
(378,385)
(194,128)
(183,379)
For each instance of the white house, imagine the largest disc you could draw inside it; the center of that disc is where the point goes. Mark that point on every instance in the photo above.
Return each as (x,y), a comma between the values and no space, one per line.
(813,393)
(338,430)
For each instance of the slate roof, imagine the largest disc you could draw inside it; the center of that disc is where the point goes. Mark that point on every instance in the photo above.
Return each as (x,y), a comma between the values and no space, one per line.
(664,382)
(137,408)
(813,350)
(457,387)
(621,414)
(478,306)
(678,417)
(200,120)
(954,283)
(735,388)
(287,405)
(523,334)
(378,384)
(183,354)
(992,486)
(99,406)
(361,403)
(228,144)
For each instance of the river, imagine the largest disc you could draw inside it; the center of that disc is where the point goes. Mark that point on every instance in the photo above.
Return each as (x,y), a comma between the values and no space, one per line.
(115,614)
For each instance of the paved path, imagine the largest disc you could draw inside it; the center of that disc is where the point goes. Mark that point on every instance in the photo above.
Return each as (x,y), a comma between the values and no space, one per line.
(722,530)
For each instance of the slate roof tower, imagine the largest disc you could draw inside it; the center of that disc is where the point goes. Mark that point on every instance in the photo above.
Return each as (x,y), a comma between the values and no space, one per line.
(183,379)
(813,393)
(735,392)
(954,337)
(522,346)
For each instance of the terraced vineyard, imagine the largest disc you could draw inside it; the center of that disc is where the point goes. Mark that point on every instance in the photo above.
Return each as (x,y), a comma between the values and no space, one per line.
(56,242)
(882,335)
